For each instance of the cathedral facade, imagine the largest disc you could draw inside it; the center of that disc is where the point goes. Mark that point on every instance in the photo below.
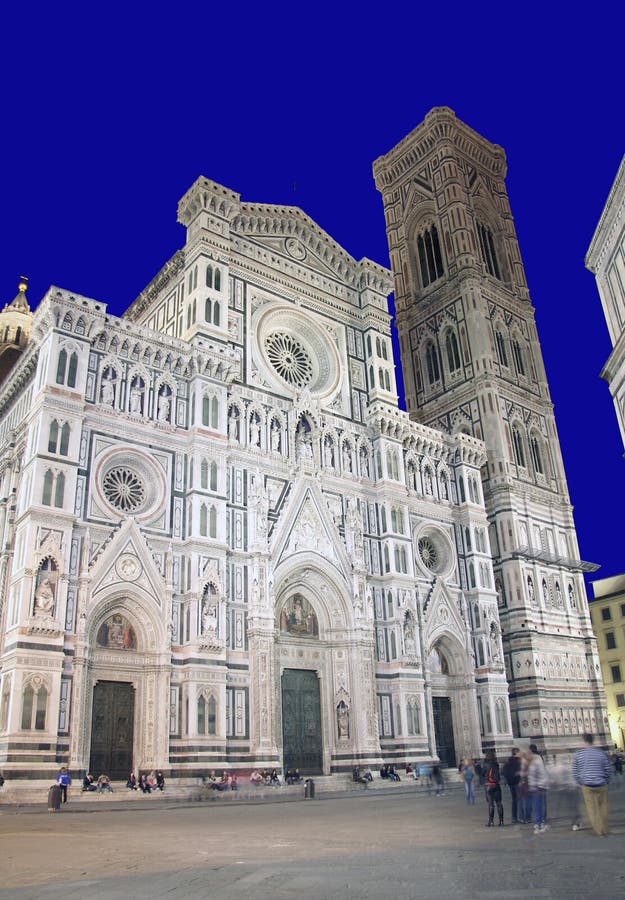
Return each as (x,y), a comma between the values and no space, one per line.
(224,544)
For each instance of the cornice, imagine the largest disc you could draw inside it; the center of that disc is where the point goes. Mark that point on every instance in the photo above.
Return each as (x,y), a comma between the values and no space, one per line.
(157,285)
(439,128)
(611,219)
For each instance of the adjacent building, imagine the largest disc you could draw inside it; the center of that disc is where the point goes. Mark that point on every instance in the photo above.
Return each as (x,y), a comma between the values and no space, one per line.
(607,611)
(606,259)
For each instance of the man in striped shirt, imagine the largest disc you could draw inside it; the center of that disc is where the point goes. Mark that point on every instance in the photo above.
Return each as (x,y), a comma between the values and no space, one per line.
(592,770)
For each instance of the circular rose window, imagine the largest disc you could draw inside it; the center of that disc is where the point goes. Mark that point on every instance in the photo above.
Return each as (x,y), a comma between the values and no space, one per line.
(289,358)
(434,551)
(129,483)
(123,489)
(297,349)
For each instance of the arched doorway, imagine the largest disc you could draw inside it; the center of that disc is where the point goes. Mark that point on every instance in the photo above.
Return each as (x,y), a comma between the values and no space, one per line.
(442,713)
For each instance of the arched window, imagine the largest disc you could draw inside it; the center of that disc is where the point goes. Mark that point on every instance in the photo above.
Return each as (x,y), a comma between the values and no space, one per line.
(383,518)
(517,443)
(64,445)
(208,310)
(453,354)
(34,707)
(209,280)
(212,524)
(53,436)
(205,410)
(206,714)
(216,313)
(213,481)
(46,494)
(217,279)
(501,348)
(432,363)
(387,564)
(59,490)
(61,366)
(204,474)
(430,257)
(537,459)
(517,353)
(487,246)
(203,521)
(461,489)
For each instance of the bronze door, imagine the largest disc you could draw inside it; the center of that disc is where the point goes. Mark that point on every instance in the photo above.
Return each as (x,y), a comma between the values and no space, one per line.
(301,721)
(112,727)
(444,731)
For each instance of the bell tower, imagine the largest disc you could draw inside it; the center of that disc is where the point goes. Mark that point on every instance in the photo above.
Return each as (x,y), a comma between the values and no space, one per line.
(472,362)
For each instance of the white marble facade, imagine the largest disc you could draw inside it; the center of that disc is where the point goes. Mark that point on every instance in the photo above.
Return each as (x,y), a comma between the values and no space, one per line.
(218,489)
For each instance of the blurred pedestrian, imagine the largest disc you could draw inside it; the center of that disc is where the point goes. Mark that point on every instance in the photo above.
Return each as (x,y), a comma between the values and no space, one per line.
(537,782)
(467,773)
(492,785)
(511,772)
(592,770)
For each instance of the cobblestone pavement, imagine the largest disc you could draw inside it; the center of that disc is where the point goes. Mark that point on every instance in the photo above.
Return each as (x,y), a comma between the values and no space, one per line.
(364,846)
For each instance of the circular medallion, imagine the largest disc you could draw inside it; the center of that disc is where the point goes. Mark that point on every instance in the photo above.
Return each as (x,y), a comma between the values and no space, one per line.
(295,248)
(128,567)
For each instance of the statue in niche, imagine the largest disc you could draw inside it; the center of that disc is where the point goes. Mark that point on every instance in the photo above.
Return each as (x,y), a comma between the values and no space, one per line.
(303,442)
(209,616)
(136,398)
(428,482)
(364,463)
(558,595)
(545,593)
(571,596)
(328,452)
(164,404)
(444,489)
(347,458)
(438,662)
(275,436)
(116,633)
(254,431)
(107,391)
(233,425)
(493,638)
(44,597)
(409,637)
(342,717)
(297,617)
(45,589)
(530,589)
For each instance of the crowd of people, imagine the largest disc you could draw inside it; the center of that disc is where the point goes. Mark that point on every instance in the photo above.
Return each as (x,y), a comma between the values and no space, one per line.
(529,782)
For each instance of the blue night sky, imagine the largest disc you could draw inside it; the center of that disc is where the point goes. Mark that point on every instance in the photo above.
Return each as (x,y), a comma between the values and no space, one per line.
(111,112)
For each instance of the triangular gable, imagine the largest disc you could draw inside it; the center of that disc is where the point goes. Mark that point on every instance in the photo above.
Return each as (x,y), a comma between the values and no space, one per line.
(442,618)
(127,560)
(306,526)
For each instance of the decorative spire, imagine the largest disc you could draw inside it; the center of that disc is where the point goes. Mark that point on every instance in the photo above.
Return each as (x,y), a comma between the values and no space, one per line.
(19,301)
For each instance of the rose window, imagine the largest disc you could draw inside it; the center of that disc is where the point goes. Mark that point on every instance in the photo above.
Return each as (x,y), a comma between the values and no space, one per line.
(428,553)
(123,489)
(289,358)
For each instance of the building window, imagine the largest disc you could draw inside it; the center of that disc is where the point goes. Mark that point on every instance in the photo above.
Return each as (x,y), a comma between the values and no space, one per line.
(610,640)
(430,257)
(537,458)
(34,705)
(453,355)
(517,443)
(517,353)
(620,699)
(501,349)
(206,718)
(487,246)
(606,613)
(67,368)
(432,363)
(616,674)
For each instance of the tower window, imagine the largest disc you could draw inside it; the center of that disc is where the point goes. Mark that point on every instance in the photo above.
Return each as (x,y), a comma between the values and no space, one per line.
(501,348)
(430,258)
(432,363)
(517,443)
(487,246)
(517,352)
(453,355)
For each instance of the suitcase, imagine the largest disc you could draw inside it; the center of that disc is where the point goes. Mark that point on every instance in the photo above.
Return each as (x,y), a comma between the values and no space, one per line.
(54,798)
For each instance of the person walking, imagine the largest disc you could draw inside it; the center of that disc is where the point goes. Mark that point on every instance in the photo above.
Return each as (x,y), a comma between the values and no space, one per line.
(511,772)
(537,781)
(63,780)
(591,770)
(492,785)
(467,773)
